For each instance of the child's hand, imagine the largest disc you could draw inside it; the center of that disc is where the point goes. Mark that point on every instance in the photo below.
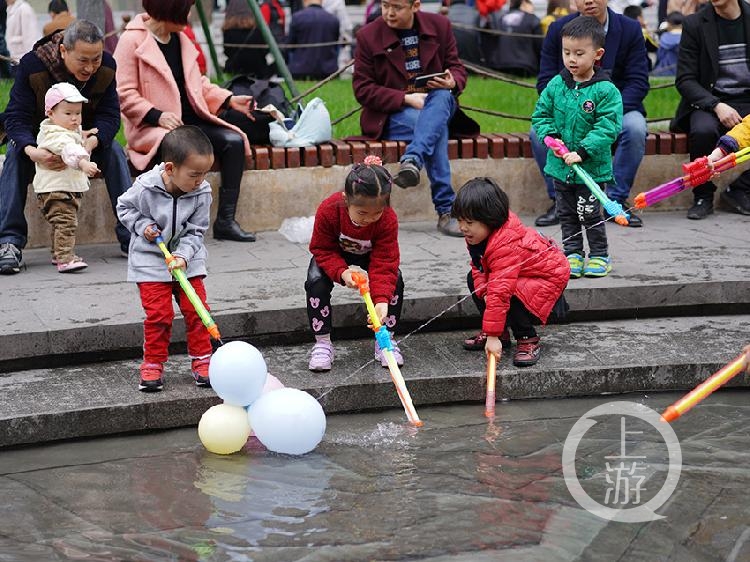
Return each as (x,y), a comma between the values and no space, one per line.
(572,158)
(89,168)
(151,232)
(494,347)
(346,277)
(717,154)
(176,263)
(381,309)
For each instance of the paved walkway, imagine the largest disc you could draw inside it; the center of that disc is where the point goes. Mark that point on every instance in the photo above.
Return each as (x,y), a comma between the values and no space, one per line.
(675,308)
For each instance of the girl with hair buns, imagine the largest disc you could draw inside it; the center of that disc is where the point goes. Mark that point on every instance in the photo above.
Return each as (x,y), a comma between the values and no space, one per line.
(355,228)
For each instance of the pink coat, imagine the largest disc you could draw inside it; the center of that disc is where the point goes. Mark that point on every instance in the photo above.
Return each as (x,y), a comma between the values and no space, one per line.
(145,81)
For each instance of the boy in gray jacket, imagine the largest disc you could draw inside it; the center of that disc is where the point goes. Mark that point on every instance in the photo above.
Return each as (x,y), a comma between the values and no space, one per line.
(173,199)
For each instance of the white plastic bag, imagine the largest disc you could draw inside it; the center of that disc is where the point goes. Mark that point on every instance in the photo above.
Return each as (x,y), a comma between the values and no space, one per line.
(298,229)
(312,127)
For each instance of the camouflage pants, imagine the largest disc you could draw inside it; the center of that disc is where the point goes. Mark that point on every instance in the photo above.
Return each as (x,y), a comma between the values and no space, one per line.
(60,209)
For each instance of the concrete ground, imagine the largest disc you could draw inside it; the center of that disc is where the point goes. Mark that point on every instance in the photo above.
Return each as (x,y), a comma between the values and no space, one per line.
(673,310)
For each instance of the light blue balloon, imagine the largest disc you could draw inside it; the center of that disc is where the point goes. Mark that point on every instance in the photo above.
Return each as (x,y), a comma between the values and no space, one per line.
(288,421)
(238,373)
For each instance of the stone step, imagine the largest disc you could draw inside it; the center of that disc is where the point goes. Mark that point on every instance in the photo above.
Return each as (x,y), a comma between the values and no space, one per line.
(670,267)
(581,359)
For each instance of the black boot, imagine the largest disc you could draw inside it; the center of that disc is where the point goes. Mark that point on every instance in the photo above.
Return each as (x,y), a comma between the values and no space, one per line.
(225,227)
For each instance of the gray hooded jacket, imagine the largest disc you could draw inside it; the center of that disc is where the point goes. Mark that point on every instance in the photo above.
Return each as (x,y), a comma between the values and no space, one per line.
(182,221)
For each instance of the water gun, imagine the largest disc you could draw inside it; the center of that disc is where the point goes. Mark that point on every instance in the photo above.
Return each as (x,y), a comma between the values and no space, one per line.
(718,379)
(179,275)
(613,208)
(697,172)
(383,337)
(489,401)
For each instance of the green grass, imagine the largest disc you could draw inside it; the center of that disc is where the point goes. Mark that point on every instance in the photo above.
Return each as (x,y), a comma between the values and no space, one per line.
(486,94)
(480,92)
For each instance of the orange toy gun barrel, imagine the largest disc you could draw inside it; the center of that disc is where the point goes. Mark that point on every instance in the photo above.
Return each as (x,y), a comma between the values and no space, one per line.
(719,378)
(489,401)
(383,338)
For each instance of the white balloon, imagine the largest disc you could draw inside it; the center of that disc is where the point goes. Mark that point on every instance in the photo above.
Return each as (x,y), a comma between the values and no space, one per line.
(288,421)
(238,373)
(224,429)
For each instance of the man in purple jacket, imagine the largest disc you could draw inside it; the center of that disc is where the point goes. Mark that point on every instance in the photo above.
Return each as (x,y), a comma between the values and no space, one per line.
(626,59)
(391,53)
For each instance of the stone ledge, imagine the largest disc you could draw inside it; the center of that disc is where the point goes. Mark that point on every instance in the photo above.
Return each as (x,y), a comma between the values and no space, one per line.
(269,196)
(579,360)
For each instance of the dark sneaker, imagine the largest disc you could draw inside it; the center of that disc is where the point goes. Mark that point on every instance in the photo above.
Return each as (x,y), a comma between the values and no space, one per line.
(11,260)
(476,343)
(448,225)
(700,209)
(737,200)
(408,174)
(527,352)
(549,218)
(151,380)
(199,370)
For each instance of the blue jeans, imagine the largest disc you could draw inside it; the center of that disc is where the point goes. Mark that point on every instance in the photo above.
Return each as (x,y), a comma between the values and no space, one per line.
(19,171)
(631,146)
(426,131)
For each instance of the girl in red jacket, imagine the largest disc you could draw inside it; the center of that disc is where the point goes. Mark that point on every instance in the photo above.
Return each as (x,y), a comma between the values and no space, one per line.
(519,275)
(356,227)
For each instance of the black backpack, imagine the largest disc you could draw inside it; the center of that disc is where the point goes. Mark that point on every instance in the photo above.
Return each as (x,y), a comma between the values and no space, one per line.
(263,92)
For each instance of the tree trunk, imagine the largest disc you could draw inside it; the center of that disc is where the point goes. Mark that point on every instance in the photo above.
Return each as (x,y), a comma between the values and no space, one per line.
(91,10)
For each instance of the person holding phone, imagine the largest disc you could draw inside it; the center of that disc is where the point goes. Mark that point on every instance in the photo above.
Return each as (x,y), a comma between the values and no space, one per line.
(407,77)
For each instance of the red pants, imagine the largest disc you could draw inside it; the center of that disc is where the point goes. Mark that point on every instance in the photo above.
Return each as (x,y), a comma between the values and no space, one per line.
(156,298)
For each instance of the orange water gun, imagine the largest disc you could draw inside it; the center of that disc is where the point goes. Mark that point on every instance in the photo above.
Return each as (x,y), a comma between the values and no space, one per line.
(718,379)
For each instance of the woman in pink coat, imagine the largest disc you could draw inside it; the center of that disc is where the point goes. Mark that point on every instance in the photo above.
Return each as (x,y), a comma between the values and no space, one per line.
(161,87)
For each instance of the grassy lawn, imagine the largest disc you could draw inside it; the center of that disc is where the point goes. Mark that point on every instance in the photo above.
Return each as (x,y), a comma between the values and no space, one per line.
(480,92)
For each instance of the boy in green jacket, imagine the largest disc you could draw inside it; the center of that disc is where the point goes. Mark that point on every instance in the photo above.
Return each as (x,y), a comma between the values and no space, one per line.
(583,108)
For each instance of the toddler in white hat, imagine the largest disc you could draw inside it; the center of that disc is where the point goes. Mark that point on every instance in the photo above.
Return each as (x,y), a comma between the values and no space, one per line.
(59,188)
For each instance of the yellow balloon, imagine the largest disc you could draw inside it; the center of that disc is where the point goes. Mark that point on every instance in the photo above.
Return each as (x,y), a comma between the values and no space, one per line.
(224,429)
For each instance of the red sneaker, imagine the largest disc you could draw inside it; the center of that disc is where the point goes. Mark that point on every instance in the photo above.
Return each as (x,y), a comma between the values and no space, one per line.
(477,342)
(199,368)
(527,352)
(151,380)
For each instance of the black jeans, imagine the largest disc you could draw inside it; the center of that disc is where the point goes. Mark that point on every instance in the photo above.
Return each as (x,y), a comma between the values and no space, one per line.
(705,130)
(577,208)
(318,288)
(519,319)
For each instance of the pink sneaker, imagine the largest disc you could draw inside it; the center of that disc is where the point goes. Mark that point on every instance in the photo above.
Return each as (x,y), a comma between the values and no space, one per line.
(380,356)
(321,356)
(76,264)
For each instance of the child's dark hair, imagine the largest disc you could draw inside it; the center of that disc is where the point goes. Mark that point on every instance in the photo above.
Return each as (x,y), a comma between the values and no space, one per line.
(482,200)
(675,18)
(632,12)
(181,143)
(369,179)
(585,27)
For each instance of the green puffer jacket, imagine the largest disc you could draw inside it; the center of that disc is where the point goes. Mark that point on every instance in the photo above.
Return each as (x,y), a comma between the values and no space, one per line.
(587,116)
